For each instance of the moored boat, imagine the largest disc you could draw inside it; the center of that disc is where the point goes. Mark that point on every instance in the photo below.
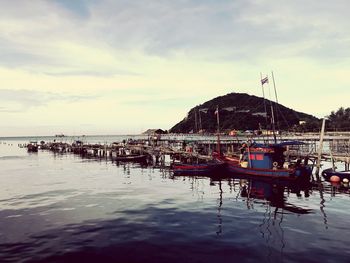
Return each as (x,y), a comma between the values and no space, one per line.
(124,154)
(32,147)
(328,173)
(268,161)
(131,157)
(197,168)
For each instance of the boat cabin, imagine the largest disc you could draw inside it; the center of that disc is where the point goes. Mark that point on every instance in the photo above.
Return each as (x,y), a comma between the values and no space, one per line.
(267,156)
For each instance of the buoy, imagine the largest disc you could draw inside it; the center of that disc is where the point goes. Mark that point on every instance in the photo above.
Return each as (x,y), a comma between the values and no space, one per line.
(335,179)
(345,180)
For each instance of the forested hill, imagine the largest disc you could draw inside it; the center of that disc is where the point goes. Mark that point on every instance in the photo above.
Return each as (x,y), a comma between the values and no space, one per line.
(240,111)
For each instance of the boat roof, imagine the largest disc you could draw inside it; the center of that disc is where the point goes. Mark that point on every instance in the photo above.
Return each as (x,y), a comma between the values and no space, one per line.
(278,145)
(290,143)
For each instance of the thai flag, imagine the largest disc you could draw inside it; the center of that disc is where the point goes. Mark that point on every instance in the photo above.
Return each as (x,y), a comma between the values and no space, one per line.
(264,80)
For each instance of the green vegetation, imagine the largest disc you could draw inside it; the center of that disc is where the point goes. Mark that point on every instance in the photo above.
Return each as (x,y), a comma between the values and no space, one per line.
(339,120)
(240,111)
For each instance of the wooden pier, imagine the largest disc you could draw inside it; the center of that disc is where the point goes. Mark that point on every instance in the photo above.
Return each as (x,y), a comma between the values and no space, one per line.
(174,146)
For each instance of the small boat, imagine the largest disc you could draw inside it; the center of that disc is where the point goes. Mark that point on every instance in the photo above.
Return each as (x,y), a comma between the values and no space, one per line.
(32,147)
(328,173)
(197,168)
(131,157)
(268,161)
(124,154)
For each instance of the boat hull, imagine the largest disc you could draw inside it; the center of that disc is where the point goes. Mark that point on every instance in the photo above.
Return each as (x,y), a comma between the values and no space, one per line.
(233,167)
(196,168)
(32,148)
(131,158)
(328,173)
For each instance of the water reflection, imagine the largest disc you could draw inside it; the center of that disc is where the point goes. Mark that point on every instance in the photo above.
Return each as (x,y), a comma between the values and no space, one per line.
(273,205)
(273,197)
(219,210)
(94,209)
(322,205)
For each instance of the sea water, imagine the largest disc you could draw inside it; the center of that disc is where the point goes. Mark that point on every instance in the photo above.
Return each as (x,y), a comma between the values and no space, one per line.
(63,208)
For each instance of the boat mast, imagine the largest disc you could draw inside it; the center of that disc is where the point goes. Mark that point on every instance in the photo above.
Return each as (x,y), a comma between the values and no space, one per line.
(200,121)
(273,123)
(262,87)
(195,121)
(218,129)
(274,87)
(263,81)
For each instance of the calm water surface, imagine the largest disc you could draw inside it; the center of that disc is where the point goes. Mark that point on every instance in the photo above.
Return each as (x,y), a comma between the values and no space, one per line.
(62,208)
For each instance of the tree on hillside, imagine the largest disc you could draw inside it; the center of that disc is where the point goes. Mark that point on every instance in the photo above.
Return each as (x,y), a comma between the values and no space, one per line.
(339,120)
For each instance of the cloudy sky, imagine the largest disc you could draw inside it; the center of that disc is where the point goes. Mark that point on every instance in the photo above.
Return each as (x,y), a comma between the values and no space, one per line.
(117,67)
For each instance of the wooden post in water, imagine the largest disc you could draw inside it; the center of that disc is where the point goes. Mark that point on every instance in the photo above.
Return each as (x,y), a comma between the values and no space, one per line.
(320,148)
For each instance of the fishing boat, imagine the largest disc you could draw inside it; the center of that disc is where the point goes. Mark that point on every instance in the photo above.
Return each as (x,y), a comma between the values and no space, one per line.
(32,147)
(270,161)
(328,173)
(198,168)
(131,157)
(124,154)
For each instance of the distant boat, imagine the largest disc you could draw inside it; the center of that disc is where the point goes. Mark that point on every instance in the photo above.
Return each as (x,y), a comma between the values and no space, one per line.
(131,157)
(32,147)
(328,173)
(124,154)
(60,135)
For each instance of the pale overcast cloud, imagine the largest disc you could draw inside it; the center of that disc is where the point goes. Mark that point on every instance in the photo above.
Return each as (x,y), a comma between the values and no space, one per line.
(118,67)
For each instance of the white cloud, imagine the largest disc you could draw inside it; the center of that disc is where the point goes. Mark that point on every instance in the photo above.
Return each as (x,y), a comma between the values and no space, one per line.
(160,58)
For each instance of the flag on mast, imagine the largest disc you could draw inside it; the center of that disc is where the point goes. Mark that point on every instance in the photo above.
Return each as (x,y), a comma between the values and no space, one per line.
(264,80)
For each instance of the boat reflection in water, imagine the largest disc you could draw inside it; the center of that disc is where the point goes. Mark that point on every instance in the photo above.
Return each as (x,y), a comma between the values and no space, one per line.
(274,193)
(273,196)
(268,207)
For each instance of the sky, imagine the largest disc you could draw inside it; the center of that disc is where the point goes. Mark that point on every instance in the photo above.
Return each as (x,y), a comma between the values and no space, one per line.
(122,67)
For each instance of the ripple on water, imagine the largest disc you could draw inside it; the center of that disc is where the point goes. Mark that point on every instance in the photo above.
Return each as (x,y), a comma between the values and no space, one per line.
(68,209)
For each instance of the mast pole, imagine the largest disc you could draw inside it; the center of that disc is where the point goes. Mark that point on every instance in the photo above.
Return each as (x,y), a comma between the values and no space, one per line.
(218,129)
(272,116)
(262,87)
(273,124)
(274,87)
(195,121)
(200,120)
